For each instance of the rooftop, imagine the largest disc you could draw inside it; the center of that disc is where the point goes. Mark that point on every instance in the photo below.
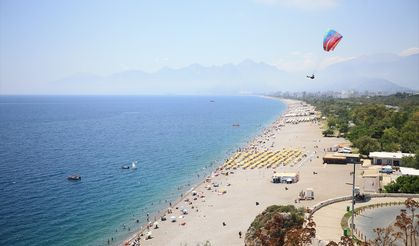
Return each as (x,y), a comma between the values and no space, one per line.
(285,174)
(339,155)
(396,155)
(409,171)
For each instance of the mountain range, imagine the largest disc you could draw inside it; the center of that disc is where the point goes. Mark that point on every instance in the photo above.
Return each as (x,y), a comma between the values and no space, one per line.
(379,72)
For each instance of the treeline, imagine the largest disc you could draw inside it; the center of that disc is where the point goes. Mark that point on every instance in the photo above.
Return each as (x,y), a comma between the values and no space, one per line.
(385,123)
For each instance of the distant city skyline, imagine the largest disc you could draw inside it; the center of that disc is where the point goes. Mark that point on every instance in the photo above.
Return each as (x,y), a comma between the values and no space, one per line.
(45,41)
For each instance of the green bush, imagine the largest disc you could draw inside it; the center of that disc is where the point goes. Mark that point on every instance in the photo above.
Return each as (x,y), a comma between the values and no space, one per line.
(404,184)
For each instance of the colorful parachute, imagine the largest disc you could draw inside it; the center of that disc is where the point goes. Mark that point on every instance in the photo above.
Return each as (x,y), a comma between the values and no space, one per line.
(331,39)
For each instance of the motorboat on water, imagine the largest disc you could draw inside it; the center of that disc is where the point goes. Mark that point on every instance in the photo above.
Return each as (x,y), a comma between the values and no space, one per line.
(74,177)
(133,166)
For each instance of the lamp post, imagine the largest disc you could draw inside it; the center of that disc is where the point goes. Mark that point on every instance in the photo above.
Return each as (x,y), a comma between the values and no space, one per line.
(353,202)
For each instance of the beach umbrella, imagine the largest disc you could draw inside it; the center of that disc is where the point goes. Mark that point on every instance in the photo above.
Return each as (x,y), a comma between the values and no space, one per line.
(156,225)
(173,218)
(222,191)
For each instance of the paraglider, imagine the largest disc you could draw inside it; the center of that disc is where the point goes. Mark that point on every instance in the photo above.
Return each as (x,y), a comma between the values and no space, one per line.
(330,41)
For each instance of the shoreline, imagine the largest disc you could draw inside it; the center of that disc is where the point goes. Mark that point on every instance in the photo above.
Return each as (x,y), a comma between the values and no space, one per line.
(143,227)
(225,213)
(224,206)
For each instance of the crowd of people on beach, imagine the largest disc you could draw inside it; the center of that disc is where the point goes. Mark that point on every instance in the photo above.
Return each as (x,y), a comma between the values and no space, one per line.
(296,113)
(189,203)
(178,211)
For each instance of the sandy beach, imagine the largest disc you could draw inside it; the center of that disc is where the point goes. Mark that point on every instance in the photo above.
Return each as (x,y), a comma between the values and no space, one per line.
(219,214)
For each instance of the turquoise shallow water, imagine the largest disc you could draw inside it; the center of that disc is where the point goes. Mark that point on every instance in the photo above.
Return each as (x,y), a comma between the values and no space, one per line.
(174,139)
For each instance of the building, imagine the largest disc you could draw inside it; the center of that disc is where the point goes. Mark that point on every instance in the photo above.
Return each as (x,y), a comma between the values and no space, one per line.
(285,178)
(407,171)
(341,158)
(388,158)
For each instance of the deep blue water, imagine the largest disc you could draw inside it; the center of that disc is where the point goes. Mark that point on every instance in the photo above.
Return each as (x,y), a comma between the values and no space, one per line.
(45,138)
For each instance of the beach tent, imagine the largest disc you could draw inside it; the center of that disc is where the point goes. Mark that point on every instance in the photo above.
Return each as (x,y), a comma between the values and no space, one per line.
(285,178)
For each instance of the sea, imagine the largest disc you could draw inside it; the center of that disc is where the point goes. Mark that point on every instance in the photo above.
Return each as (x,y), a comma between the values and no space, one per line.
(175,140)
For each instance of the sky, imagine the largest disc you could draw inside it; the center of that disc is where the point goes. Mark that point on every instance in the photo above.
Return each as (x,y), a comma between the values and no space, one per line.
(47,40)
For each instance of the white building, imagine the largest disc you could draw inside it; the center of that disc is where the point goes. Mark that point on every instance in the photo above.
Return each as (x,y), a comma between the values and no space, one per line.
(409,171)
(388,158)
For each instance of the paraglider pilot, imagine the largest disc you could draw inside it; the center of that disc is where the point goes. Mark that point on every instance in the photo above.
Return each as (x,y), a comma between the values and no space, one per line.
(310,77)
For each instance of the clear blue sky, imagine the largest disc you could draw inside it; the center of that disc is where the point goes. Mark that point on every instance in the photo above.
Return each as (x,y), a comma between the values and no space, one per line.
(42,41)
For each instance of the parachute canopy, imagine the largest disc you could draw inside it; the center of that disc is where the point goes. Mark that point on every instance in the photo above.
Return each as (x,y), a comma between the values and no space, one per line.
(331,39)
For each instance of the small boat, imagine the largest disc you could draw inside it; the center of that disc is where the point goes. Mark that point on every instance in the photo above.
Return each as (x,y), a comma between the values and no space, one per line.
(74,177)
(134,166)
(236,125)
(125,167)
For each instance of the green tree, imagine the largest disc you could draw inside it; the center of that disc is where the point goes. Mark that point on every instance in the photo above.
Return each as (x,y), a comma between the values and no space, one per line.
(390,140)
(367,144)
(358,132)
(392,187)
(343,127)
(411,161)
(328,132)
(404,184)
(272,225)
(332,121)
(410,134)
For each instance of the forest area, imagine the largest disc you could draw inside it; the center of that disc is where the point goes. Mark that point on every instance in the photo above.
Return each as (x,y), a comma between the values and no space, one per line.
(381,123)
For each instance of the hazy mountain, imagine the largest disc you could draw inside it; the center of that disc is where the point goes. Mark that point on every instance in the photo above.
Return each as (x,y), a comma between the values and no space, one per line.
(402,71)
(381,72)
